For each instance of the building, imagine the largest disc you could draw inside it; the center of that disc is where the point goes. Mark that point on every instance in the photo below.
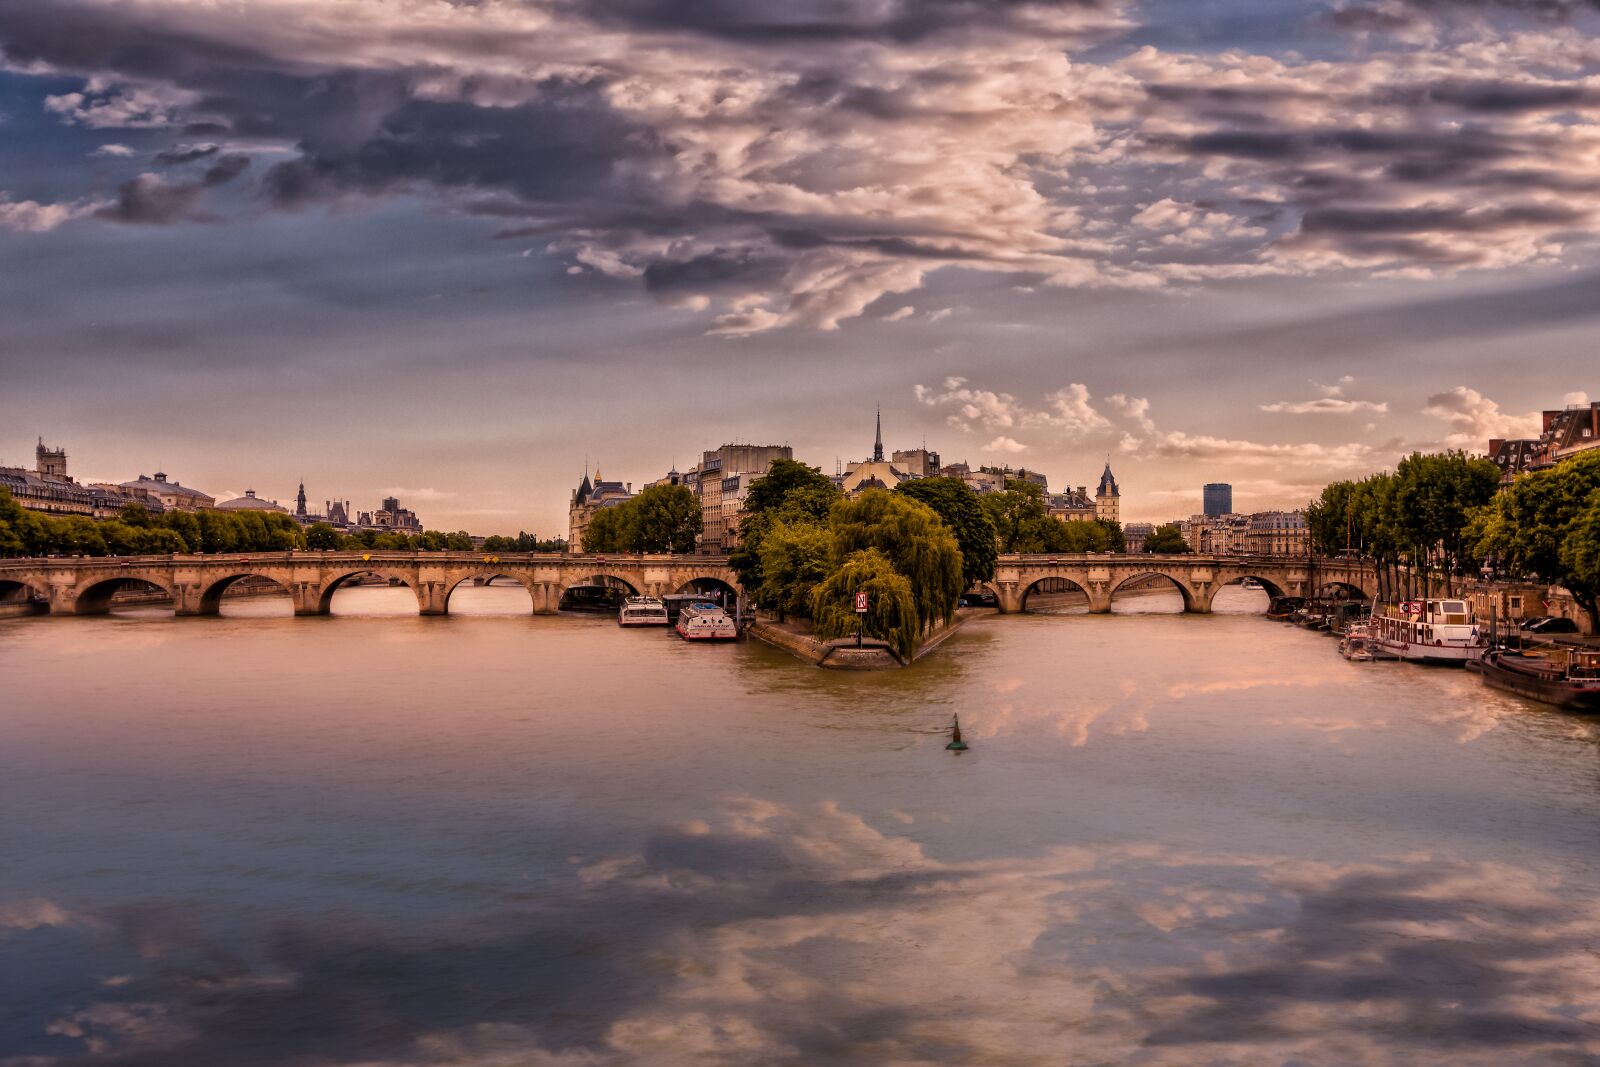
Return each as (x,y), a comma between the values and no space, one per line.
(917,462)
(172,495)
(50,490)
(1135,534)
(1072,505)
(877,472)
(1217,535)
(588,499)
(1564,432)
(251,502)
(1218,497)
(390,518)
(1108,499)
(1278,533)
(722,481)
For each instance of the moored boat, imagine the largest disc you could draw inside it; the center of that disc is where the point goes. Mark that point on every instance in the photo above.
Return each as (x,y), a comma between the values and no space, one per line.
(1567,678)
(1357,645)
(703,620)
(1440,632)
(642,611)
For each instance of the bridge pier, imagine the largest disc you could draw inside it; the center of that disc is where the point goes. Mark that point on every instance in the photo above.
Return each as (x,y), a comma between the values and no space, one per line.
(432,598)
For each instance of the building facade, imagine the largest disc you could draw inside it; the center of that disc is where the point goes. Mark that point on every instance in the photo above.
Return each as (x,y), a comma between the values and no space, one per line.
(1217,499)
(173,495)
(587,500)
(1564,432)
(1278,533)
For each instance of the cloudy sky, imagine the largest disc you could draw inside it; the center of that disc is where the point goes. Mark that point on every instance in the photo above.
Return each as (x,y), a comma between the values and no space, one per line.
(454,248)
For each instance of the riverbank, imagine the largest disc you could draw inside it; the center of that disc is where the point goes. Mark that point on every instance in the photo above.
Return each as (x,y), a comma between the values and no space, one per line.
(842,654)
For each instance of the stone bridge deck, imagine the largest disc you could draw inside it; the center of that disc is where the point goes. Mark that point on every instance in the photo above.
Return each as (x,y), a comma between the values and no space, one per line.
(85,585)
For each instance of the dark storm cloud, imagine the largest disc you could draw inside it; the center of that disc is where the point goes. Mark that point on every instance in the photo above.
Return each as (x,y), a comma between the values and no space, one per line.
(186,153)
(1389,15)
(150,199)
(787,23)
(1356,942)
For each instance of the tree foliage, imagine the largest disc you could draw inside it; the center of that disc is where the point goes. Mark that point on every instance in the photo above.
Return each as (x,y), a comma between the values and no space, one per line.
(891,614)
(1545,526)
(963,513)
(1166,539)
(663,518)
(1016,513)
(790,492)
(912,537)
(795,558)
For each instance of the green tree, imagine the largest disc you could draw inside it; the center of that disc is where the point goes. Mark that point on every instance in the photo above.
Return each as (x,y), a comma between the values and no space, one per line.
(1433,496)
(891,604)
(1538,527)
(1166,540)
(963,513)
(912,537)
(665,518)
(321,537)
(795,558)
(789,492)
(609,530)
(1017,513)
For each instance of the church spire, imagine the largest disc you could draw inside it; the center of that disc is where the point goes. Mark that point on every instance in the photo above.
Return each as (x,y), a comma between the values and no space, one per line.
(877,445)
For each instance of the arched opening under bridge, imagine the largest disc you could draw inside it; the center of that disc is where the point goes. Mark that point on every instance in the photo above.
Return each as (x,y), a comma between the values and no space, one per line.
(246,595)
(369,592)
(598,594)
(1341,591)
(1055,596)
(21,598)
(1248,595)
(1150,593)
(489,594)
(724,593)
(124,596)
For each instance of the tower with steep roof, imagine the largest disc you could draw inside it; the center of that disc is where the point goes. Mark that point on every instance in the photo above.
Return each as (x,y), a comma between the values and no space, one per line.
(1107,499)
(877,445)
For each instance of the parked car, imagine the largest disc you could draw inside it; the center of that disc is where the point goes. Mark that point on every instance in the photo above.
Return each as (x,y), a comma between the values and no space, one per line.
(981,598)
(1556,625)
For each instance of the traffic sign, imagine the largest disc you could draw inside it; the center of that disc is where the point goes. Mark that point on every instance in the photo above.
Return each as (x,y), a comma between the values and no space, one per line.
(861,603)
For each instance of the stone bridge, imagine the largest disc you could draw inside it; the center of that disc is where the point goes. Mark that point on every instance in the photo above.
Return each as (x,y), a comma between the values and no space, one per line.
(1196,578)
(85,585)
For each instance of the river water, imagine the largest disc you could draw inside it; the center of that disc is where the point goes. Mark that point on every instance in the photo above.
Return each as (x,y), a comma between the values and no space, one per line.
(379,839)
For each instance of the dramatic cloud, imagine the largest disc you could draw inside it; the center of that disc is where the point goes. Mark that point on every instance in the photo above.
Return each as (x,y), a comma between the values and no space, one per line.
(778,164)
(1474,419)
(1325,405)
(775,935)
(30,216)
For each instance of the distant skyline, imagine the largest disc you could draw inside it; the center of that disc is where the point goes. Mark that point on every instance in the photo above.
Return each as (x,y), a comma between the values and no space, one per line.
(450,250)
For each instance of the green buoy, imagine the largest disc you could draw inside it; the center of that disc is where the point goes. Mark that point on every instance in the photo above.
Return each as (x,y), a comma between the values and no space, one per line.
(956,744)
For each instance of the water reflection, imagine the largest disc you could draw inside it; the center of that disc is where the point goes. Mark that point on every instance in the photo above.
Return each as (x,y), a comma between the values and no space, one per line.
(535,840)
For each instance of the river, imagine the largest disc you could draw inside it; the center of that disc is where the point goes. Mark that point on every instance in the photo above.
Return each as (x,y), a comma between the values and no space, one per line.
(488,840)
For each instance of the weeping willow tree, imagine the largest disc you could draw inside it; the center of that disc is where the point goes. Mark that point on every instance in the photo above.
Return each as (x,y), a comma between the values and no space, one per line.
(891,605)
(914,540)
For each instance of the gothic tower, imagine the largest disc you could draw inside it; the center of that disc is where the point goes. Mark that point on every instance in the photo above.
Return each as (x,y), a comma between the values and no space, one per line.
(300,502)
(1107,500)
(877,446)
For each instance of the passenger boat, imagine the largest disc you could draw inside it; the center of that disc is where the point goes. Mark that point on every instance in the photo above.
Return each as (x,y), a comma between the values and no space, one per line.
(642,611)
(1356,645)
(703,620)
(1429,631)
(1567,678)
(1283,608)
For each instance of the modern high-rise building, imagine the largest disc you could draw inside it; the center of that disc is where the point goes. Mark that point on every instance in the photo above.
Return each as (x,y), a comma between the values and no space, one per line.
(1218,499)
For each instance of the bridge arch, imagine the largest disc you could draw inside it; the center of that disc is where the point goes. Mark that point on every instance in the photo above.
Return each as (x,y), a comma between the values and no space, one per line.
(488,575)
(710,583)
(1349,590)
(1270,587)
(1191,599)
(1055,585)
(211,596)
(332,585)
(93,596)
(22,591)
(565,601)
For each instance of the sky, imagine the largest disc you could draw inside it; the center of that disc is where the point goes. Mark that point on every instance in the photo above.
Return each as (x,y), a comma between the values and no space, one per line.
(457,250)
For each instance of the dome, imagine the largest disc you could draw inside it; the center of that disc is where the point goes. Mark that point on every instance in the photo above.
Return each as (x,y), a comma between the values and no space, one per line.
(251,502)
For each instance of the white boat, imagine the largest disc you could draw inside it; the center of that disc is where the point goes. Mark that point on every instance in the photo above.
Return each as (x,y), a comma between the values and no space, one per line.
(1429,631)
(705,621)
(1358,645)
(642,611)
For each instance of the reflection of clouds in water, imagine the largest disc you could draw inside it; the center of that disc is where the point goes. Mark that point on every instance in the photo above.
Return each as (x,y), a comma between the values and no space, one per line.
(773,935)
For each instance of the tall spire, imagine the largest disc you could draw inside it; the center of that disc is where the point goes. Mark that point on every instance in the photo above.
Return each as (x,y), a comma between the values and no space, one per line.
(877,445)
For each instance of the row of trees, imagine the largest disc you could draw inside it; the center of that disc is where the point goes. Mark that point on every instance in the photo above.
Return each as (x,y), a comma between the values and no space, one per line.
(136,532)
(1442,516)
